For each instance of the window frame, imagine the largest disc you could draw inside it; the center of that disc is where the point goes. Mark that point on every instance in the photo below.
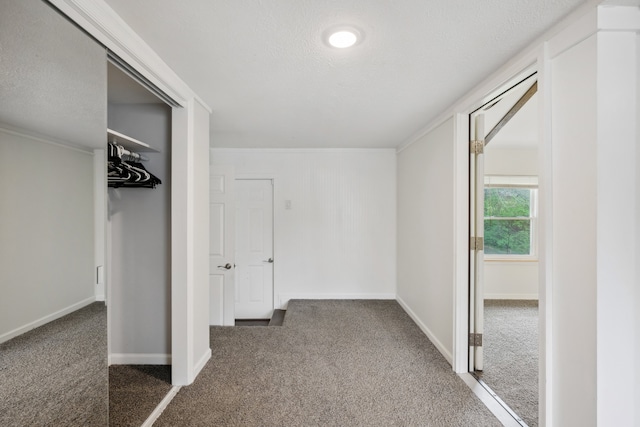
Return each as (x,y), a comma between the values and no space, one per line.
(523,182)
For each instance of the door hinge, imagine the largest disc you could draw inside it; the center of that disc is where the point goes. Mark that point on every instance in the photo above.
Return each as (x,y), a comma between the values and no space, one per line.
(476,244)
(475,340)
(477,146)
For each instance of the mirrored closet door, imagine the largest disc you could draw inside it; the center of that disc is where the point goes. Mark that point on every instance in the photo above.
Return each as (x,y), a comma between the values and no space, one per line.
(53,327)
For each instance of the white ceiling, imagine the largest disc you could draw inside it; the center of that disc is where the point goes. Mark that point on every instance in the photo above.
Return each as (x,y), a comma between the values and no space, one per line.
(52,76)
(271,81)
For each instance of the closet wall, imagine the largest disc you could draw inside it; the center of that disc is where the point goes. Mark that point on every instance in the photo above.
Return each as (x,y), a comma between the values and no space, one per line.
(139,232)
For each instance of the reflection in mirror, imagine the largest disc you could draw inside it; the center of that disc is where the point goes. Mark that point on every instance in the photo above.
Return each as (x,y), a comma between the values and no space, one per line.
(53,366)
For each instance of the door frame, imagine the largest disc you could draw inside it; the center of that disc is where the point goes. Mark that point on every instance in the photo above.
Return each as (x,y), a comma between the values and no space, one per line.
(275,226)
(476,256)
(226,302)
(462,136)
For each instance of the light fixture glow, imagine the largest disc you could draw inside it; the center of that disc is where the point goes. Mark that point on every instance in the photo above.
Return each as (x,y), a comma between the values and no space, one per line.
(343,39)
(342,36)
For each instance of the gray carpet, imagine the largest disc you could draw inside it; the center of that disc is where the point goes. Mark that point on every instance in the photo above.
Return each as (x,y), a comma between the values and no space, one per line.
(511,354)
(56,375)
(332,363)
(135,391)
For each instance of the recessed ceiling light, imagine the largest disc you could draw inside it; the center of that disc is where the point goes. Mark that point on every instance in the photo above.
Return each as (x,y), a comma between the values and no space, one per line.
(342,37)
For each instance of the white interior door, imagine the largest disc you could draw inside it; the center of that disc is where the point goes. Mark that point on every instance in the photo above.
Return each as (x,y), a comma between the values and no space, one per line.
(476,309)
(254,249)
(221,246)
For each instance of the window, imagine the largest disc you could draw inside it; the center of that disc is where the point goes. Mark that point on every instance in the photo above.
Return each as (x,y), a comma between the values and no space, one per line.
(510,214)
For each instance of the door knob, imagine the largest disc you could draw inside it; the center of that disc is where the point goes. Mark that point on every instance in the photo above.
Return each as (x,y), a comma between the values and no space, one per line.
(227,266)
(270,260)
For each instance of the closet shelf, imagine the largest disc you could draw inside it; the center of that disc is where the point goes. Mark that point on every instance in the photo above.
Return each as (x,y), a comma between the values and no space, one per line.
(129,143)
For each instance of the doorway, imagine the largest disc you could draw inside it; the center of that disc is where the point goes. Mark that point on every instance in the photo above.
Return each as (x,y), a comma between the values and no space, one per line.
(254,248)
(503,297)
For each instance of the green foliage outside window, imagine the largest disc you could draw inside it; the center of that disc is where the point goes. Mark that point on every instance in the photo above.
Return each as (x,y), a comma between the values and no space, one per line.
(507,224)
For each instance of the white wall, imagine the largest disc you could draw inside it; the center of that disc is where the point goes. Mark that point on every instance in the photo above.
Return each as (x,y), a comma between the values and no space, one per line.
(511,280)
(200,171)
(338,239)
(510,161)
(507,279)
(189,241)
(140,228)
(574,243)
(426,234)
(594,138)
(46,232)
(616,218)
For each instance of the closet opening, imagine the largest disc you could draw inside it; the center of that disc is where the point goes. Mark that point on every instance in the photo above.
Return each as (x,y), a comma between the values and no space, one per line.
(137,165)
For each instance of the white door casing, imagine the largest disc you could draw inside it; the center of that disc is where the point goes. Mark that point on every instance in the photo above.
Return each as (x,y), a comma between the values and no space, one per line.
(254,249)
(476,303)
(221,246)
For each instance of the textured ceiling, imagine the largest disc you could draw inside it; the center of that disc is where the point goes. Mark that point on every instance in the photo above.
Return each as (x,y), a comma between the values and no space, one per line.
(271,81)
(52,76)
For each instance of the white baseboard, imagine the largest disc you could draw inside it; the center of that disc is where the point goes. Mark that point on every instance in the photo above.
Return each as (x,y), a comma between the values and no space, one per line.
(441,348)
(139,359)
(511,296)
(203,361)
(46,319)
(283,299)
